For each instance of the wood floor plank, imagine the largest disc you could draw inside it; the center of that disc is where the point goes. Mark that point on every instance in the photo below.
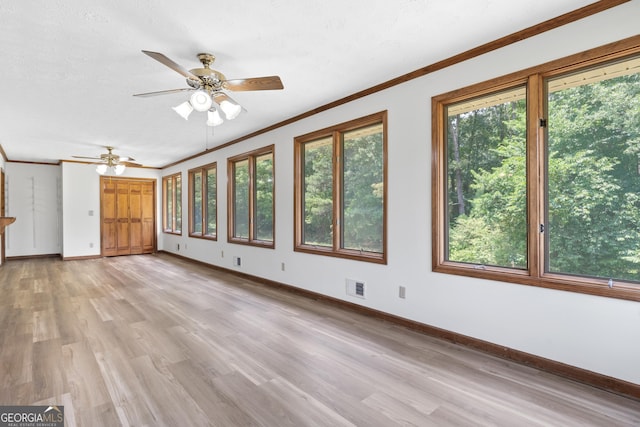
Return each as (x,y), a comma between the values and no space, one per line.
(82,372)
(154,340)
(49,377)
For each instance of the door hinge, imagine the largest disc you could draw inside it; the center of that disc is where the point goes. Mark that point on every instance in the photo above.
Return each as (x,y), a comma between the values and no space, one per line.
(543,123)
(542,228)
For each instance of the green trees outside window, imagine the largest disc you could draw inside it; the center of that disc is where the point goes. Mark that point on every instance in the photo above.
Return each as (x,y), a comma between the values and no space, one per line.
(251,198)
(203,202)
(340,190)
(317,227)
(538,182)
(593,173)
(486,180)
(172,203)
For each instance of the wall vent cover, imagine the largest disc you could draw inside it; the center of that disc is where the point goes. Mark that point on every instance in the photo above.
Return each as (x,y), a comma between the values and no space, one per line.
(355,288)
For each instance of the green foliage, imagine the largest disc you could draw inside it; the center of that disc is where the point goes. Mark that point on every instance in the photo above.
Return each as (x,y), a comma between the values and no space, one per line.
(592,182)
(318,195)
(493,186)
(362,193)
(363,209)
(264,198)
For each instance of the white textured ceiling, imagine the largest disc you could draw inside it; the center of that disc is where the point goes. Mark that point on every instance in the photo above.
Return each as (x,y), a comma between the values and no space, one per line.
(68,68)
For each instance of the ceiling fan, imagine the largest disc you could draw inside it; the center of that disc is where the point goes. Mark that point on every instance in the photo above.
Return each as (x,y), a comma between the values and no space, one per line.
(109,161)
(208,86)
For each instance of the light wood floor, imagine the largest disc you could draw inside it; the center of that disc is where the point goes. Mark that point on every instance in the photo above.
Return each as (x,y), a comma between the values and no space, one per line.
(151,340)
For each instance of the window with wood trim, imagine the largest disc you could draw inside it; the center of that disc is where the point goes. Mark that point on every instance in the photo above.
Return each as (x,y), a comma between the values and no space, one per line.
(536,177)
(203,183)
(340,190)
(251,195)
(172,204)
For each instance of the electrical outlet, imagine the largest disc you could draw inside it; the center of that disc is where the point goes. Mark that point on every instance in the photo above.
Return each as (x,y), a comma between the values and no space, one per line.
(221,254)
(237,261)
(282,266)
(402,292)
(177,246)
(90,245)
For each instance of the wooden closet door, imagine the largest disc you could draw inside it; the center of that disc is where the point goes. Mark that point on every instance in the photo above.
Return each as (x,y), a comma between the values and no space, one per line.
(135,218)
(109,218)
(128,216)
(122,209)
(148,217)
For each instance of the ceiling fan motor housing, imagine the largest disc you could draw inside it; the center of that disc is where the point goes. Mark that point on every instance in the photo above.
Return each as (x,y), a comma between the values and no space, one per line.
(210,79)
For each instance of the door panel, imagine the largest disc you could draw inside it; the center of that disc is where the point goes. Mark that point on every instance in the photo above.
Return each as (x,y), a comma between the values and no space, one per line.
(109,219)
(135,212)
(147,215)
(122,207)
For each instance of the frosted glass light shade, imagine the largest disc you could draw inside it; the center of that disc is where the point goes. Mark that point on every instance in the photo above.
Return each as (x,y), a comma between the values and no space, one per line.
(213,118)
(201,101)
(184,109)
(101,169)
(230,109)
(119,169)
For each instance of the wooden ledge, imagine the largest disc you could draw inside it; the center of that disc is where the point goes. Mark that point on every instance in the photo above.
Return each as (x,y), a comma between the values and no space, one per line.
(4,221)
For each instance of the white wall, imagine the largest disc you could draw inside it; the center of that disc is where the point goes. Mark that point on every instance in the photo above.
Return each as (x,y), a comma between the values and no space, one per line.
(81,206)
(33,197)
(590,332)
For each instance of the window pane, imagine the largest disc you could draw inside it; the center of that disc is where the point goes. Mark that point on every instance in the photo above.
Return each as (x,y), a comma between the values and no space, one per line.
(486,180)
(241,199)
(264,197)
(318,193)
(363,189)
(593,173)
(169,203)
(212,193)
(197,202)
(178,206)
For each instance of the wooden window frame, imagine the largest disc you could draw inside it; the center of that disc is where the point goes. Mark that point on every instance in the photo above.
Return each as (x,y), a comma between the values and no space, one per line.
(336,132)
(204,170)
(251,156)
(534,274)
(169,225)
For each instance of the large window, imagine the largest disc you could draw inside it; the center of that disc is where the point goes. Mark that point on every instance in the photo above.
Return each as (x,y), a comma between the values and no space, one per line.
(537,180)
(340,190)
(251,198)
(203,202)
(172,204)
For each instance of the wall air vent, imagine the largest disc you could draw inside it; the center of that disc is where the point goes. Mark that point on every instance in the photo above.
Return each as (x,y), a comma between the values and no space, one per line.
(355,288)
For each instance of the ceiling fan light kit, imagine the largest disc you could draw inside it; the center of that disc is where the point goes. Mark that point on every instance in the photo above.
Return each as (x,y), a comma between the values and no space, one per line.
(208,85)
(201,101)
(110,164)
(213,118)
(231,110)
(184,109)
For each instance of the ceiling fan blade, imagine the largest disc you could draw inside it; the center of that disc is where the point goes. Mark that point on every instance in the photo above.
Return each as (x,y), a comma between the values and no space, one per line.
(129,163)
(163,92)
(174,66)
(255,83)
(85,157)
